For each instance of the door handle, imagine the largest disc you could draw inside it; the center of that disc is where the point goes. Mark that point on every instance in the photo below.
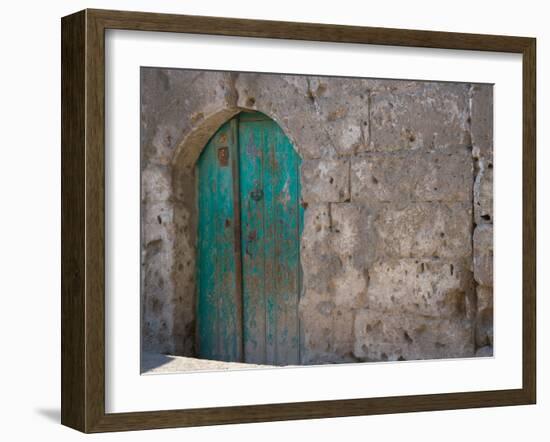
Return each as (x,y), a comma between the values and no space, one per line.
(257,194)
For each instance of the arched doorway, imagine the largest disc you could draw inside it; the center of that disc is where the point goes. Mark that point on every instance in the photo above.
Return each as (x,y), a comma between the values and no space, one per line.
(250,222)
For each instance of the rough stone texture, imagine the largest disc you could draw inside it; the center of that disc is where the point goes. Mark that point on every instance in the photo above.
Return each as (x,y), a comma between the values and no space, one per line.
(481,120)
(428,288)
(322,116)
(483,193)
(334,279)
(483,254)
(410,115)
(170,112)
(157,260)
(394,176)
(325,181)
(172,116)
(413,176)
(484,316)
(416,309)
(439,230)
(383,336)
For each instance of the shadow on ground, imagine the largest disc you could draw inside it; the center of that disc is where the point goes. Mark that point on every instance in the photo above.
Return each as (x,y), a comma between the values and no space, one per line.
(51,414)
(160,363)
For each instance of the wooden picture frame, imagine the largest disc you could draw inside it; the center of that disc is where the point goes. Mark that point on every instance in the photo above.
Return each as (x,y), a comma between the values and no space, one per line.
(83,220)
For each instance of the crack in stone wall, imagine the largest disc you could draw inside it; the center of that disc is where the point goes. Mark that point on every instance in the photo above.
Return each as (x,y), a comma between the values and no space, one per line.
(481,122)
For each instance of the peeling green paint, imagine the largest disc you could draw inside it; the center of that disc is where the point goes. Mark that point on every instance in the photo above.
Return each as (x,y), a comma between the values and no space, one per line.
(271,220)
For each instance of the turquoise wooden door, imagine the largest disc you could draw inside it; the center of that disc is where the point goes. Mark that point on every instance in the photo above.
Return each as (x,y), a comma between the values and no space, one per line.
(250,222)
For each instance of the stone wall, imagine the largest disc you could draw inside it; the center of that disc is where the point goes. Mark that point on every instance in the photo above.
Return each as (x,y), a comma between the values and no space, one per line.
(396,178)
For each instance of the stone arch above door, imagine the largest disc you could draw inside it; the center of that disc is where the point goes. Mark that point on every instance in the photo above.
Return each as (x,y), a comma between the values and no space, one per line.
(183,204)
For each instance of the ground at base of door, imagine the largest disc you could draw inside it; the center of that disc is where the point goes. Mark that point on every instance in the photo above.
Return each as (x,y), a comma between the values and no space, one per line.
(152,363)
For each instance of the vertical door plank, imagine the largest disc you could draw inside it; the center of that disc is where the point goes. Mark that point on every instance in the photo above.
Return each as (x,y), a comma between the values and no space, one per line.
(271,218)
(219,321)
(286,244)
(237,231)
(207,314)
(270,246)
(252,240)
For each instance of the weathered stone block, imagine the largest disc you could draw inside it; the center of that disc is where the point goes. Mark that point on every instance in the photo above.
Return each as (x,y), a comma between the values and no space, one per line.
(317,258)
(391,336)
(332,259)
(157,306)
(481,103)
(170,111)
(425,230)
(443,176)
(428,288)
(380,178)
(317,219)
(483,254)
(484,316)
(156,184)
(483,193)
(342,331)
(184,273)
(415,115)
(348,286)
(158,222)
(327,333)
(349,243)
(325,180)
(321,115)
(414,176)
(344,111)
(351,231)
(334,284)
(316,334)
